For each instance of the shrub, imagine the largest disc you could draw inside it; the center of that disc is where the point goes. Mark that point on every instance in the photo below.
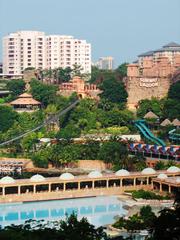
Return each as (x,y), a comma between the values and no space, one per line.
(147,195)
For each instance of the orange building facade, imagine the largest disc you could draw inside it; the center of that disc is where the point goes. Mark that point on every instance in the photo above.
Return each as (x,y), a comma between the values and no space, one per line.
(79,86)
(151,75)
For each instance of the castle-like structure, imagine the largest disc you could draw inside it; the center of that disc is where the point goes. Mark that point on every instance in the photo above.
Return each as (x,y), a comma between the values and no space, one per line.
(150,76)
(79,86)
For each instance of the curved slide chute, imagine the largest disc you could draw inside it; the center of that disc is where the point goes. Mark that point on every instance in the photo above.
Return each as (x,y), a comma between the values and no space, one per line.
(174,136)
(140,124)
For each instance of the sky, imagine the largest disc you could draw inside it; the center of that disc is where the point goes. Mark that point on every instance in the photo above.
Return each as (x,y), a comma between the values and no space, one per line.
(118,28)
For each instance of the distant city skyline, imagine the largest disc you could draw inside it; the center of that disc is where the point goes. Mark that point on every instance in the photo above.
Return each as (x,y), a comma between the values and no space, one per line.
(122,29)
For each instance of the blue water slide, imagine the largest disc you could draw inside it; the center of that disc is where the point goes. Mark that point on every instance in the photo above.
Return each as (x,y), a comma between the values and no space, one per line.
(142,131)
(140,124)
(173,135)
(158,140)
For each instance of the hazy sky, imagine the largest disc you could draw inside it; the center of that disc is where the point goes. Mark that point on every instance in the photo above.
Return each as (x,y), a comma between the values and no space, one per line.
(119,28)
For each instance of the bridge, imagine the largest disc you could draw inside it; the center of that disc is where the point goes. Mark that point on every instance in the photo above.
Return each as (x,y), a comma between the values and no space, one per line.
(50,119)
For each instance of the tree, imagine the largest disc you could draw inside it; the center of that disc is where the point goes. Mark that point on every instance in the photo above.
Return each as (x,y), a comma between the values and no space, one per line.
(167,225)
(29,142)
(155,105)
(68,132)
(160,165)
(68,229)
(41,158)
(44,93)
(172,109)
(147,216)
(7,118)
(64,74)
(114,152)
(174,91)
(122,69)
(16,87)
(114,91)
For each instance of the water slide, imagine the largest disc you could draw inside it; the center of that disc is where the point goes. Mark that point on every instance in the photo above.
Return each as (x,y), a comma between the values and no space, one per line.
(174,136)
(140,124)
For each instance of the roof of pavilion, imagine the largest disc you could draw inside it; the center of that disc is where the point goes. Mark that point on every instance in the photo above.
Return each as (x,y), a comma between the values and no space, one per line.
(25,99)
(173,181)
(131,175)
(176,122)
(150,114)
(166,122)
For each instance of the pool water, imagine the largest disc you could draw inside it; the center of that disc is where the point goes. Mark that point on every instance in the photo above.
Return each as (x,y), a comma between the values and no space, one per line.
(98,210)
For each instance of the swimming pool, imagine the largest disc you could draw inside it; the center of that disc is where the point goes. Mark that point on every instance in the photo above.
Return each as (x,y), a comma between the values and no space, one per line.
(98,210)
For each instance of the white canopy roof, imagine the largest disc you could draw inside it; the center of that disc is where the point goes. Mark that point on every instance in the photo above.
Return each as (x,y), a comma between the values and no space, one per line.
(122,172)
(173,169)
(37,178)
(95,174)
(7,179)
(178,180)
(66,176)
(162,176)
(148,171)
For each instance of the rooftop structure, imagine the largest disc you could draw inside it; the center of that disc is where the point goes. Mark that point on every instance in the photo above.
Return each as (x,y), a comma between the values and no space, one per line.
(25,103)
(169,184)
(122,172)
(150,114)
(166,122)
(176,122)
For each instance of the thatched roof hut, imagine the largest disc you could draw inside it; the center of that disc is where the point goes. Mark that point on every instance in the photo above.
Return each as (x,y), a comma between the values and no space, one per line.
(25,99)
(176,122)
(150,114)
(25,102)
(166,122)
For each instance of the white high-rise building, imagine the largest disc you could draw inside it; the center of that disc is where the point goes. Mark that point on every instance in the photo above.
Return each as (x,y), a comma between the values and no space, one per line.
(106,63)
(34,49)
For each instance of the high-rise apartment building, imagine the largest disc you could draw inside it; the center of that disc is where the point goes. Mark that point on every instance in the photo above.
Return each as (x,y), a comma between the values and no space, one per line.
(106,63)
(25,49)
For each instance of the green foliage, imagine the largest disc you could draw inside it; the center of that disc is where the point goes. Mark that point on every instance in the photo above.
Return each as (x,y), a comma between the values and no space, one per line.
(122,69)
(114,152)
(139,221)
(16,87)
(147,216)
(41,158)
(155,105)
(46,94)
(7,118)
(29,142)
(68,229)
(29,68)
(160,165)
(70,131)
(174,91)
(167,226)
(147,195)
(172,109)
(2,100)
(64,74)
(114,91)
